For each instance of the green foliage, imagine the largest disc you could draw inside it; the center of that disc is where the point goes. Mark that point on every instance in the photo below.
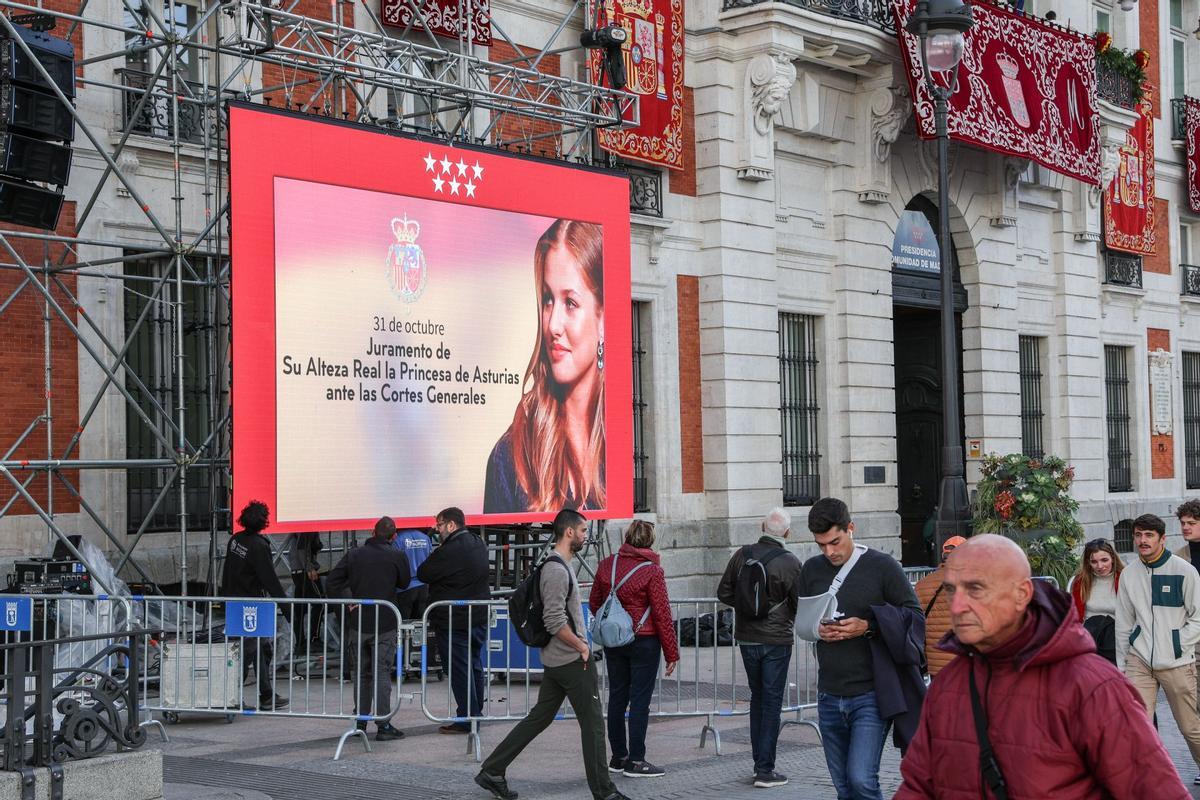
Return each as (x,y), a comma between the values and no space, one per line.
(1029,501)
(1123,63)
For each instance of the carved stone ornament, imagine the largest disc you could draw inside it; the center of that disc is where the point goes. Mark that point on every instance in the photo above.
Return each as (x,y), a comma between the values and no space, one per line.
(1110,162)
(927,158)
(769,79)
(890,110)
(1008,192)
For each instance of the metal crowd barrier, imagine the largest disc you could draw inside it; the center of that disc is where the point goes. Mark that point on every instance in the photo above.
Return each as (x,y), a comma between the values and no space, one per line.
(801,694)
(709,681)
(207,647)
(914,574)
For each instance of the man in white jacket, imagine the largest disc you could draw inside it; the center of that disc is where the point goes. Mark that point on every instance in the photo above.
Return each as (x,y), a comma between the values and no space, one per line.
(1158,627)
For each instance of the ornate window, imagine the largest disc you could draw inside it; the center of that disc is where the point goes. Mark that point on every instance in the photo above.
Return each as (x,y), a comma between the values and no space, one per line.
(1031,397)
(1116,394)
(799,410)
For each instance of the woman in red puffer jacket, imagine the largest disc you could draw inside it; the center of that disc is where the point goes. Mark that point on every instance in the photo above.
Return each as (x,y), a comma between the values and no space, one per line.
(633,669)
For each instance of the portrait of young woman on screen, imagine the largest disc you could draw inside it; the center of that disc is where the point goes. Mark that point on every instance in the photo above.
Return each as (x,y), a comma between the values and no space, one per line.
(552,455)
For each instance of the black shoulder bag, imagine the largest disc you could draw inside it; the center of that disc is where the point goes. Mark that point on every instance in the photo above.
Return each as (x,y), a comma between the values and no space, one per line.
(989,767)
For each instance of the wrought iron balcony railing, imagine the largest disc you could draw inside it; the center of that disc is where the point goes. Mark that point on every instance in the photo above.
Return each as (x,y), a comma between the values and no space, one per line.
(876,13)
(157,115)
(1122,269)
(1179,118)
(1191,279)
(1114,87)
(645,191)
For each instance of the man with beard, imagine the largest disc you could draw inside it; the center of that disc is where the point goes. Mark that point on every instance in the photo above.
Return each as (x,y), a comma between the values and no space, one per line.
(570,672)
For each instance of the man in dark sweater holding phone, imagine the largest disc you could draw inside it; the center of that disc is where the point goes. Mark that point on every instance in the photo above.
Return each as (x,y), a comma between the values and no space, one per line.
(852,731)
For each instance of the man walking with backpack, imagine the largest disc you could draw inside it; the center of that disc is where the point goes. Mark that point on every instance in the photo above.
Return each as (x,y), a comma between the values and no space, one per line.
(569,671)
(852,728)
(760,582)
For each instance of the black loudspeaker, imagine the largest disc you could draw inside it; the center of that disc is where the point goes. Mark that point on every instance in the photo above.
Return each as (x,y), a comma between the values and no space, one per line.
(36,127)
(28,204)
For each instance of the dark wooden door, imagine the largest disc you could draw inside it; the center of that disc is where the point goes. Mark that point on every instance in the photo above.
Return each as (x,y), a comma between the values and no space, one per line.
(918,427)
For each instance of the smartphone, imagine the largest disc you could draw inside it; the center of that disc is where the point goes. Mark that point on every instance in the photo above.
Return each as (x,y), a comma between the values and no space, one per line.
(829,621)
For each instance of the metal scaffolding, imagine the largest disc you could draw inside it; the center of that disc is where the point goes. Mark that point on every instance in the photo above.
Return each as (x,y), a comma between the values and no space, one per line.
(179,64)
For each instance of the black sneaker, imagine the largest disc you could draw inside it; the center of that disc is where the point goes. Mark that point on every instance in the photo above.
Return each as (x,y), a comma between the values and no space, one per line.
(361,725)
(1196,780)
(496,784)
(642,769)
(272,703)
(767,780)
(616,764)
(388,732)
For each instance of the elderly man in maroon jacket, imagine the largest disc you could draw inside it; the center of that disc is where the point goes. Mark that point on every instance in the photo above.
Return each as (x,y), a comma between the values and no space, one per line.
(1061,721)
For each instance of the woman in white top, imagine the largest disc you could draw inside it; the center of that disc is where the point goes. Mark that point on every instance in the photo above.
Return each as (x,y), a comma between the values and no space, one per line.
(1094,592)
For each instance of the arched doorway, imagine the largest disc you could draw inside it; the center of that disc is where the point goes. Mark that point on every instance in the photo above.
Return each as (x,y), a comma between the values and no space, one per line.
(916,330)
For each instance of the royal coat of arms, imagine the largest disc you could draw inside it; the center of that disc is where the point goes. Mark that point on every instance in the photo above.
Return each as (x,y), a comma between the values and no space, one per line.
(405,260)
(1009,70)
(643,48)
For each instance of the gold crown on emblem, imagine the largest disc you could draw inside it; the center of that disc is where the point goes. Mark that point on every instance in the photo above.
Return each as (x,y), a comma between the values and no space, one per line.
(406,230)
(638,8)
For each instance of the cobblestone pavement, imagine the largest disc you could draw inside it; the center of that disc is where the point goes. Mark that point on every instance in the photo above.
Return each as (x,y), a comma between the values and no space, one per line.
(282,759)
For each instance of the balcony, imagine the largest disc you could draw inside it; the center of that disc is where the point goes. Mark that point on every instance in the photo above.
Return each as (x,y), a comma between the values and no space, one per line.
(1122,269)
(157,114)
(876,13)
(1179,118)
(645,191)
(1191,279)
(1114,88)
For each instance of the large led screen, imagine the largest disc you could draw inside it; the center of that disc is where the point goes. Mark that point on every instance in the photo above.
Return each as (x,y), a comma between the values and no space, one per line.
(418,325)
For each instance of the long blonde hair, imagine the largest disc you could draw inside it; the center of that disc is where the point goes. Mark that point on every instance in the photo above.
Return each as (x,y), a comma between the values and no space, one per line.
(545,466)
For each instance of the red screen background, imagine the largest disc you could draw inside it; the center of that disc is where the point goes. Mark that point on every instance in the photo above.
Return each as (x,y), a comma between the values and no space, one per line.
(265,144)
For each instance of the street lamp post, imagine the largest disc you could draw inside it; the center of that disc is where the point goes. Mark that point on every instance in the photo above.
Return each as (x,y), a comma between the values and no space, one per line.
(940,25)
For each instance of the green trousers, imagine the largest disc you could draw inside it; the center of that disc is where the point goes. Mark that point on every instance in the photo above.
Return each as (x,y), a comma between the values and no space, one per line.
(578,685)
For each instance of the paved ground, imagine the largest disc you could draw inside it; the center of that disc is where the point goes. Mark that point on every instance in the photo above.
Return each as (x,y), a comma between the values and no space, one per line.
(292,759)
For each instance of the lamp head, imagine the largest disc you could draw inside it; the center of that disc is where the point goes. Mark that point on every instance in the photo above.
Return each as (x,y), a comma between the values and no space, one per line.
(941,25)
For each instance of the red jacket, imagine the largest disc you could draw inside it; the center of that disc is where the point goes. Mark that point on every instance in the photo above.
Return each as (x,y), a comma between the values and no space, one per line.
(648,587)
(1077,598)
(1062,721)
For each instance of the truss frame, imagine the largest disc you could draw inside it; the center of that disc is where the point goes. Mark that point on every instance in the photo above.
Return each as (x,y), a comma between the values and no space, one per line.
(348,72)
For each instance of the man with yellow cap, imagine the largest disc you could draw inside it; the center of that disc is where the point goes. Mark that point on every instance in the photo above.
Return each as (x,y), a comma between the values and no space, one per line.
(937,609)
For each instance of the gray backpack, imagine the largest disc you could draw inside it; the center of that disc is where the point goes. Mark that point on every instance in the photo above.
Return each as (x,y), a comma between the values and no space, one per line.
(611,625)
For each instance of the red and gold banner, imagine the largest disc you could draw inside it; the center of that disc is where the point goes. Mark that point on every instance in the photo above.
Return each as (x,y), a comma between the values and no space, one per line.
(1129,199)
(1192,120)
(654,66)
(442,17)
(1026,88)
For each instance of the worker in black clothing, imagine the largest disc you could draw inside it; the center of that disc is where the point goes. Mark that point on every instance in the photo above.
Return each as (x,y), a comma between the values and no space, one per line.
(250,573)
(458,570)
(375,571)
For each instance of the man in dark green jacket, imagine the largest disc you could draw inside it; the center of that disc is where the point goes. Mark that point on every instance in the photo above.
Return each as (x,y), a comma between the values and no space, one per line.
(766,641)
(458,570)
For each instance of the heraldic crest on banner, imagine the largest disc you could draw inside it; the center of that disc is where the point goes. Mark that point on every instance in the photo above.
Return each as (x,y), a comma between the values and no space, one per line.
(653,54)
(1129,212)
